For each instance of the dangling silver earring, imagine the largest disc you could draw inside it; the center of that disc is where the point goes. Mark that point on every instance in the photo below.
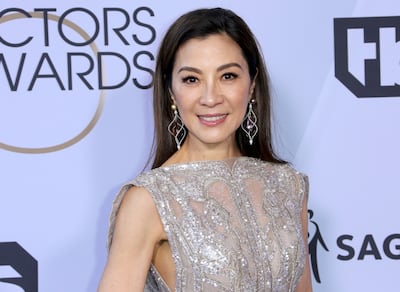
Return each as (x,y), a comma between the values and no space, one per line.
(249,124)
(176,128)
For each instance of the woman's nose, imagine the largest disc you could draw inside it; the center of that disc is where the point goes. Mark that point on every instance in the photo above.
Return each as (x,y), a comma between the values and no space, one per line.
(212,95)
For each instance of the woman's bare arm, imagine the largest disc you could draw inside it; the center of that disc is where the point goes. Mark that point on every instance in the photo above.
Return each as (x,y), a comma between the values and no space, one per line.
(138,229)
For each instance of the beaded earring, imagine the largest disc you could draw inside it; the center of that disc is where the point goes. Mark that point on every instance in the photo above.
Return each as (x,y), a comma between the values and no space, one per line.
(249,124)
(176,127)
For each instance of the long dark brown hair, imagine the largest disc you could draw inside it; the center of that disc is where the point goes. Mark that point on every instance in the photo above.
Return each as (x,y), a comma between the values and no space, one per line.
(199,24)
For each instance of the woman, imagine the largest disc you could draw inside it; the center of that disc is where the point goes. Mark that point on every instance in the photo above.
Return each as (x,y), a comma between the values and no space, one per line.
(218,211)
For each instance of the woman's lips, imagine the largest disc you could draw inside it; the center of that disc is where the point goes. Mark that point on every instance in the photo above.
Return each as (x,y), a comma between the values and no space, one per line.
(212,120)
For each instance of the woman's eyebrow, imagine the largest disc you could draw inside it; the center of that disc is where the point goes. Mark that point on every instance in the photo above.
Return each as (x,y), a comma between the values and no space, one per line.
(220,68)
(191,69)
(226,66)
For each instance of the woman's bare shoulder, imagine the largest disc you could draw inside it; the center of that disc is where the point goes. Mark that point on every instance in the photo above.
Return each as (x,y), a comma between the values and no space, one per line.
(138,212)
(136,230)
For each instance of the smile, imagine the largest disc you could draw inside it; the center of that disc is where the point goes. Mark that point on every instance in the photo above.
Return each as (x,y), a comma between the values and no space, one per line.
(212,120)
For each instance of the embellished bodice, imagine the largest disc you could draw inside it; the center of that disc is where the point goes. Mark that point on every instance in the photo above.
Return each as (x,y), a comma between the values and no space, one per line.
(232,225)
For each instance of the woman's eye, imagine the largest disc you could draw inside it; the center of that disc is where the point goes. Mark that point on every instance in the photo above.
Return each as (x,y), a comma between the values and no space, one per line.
(229,76)
(189,79)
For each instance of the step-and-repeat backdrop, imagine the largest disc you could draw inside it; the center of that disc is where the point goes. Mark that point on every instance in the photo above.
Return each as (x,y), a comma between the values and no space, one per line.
(76,122)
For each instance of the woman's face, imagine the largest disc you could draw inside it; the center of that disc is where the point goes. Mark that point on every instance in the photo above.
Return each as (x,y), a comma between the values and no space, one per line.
(211,87)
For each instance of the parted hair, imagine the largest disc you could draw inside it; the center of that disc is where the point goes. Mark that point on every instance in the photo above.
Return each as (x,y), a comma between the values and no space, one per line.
(200,24)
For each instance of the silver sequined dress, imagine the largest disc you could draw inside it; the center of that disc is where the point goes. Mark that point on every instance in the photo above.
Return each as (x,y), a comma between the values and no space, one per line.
(232,225)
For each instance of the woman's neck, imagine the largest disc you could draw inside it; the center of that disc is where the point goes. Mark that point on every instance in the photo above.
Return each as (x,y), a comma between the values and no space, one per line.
(190,153)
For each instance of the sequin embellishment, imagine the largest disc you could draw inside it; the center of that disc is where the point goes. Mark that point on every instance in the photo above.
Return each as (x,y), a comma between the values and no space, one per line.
(232,225)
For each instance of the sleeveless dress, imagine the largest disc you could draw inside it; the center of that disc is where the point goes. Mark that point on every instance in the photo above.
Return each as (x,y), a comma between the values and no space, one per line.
(232,225)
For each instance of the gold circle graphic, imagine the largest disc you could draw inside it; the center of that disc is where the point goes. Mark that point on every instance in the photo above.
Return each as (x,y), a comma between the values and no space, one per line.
(100,105)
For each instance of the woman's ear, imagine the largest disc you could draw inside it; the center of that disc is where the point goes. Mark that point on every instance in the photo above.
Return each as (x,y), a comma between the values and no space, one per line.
(253,83)
(171,95)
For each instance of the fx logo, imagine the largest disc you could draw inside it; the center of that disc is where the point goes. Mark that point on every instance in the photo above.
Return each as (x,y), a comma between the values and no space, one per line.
(367,55)
(18,269)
